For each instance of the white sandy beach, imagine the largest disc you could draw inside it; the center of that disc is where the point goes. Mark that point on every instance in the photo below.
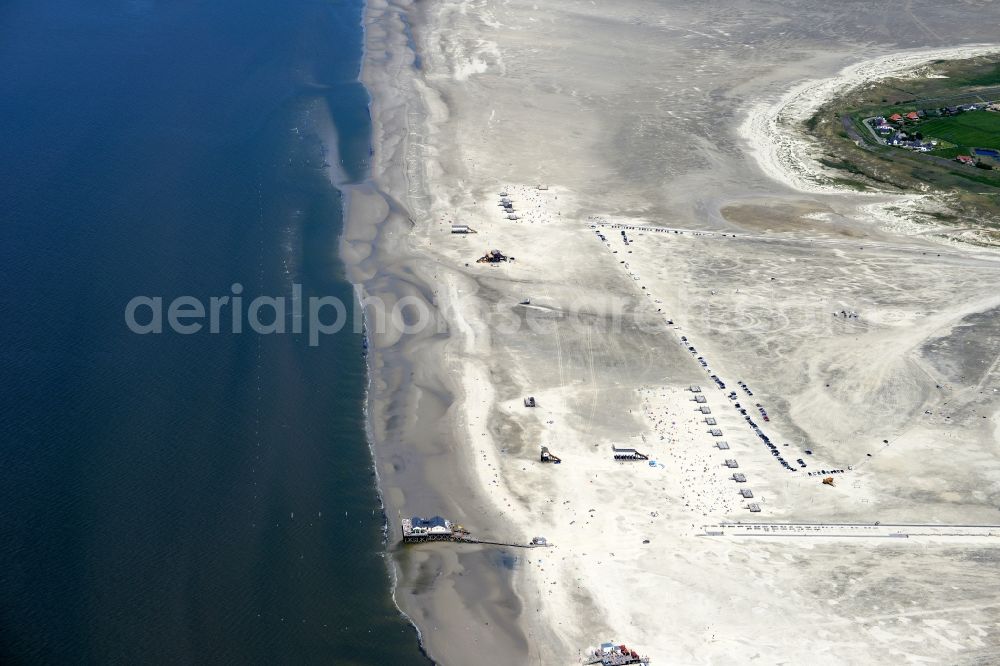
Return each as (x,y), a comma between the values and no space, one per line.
(875,353)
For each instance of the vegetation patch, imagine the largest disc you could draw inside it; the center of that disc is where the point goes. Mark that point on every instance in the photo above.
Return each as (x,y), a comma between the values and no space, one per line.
(990,77)
(843,165)
(949,153)
(852,184)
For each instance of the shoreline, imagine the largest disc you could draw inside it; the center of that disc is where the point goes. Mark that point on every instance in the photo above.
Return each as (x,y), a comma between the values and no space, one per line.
(401,434)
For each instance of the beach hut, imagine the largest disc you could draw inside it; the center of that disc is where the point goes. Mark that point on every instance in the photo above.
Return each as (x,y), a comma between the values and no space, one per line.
(710,421)
(705,409)
(723,446)
(747,493)
(731,464)
(739,478)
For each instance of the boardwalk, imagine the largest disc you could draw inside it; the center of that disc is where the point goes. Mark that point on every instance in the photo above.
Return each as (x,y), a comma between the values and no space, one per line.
(854,530)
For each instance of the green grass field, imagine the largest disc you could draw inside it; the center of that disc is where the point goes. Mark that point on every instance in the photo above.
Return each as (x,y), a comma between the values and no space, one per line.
(980,129)
(950,153)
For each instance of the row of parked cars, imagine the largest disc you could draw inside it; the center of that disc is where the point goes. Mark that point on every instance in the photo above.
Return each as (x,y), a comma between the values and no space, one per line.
(760,408)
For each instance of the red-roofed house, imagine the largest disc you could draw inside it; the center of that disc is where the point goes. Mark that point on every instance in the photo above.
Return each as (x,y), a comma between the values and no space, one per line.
(912,115)
(895,118)
(965,159)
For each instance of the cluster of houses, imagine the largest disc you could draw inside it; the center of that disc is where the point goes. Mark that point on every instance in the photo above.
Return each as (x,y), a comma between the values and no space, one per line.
(943,112)
(904,140)
(892,135)
(892,130)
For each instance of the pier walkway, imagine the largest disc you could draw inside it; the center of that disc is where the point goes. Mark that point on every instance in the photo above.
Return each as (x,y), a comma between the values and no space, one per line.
(989,533)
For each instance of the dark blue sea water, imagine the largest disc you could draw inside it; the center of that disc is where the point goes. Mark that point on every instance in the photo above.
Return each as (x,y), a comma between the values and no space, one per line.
(167,498)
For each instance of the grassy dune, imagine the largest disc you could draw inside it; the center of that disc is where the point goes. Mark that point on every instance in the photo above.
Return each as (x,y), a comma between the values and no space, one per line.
(975,192)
